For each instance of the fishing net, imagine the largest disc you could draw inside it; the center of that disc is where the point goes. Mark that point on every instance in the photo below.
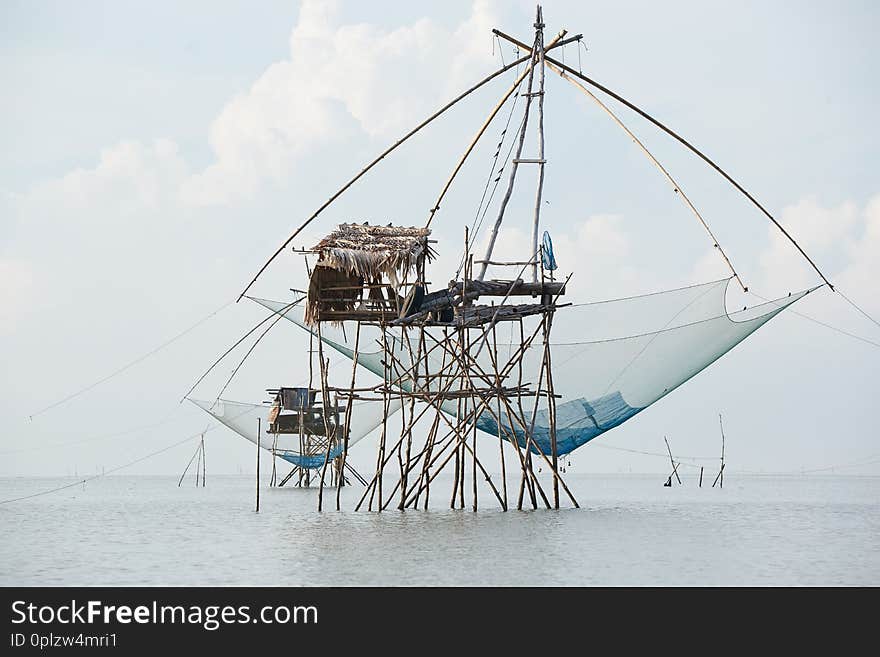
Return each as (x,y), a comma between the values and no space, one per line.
(610,359)
(242,418)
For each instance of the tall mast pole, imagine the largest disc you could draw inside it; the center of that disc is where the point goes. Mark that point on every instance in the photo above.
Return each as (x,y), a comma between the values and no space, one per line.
(514,166)
(539,54)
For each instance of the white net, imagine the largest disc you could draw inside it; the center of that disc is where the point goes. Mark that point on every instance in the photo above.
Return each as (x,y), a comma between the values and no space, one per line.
(610,359)
(243,418)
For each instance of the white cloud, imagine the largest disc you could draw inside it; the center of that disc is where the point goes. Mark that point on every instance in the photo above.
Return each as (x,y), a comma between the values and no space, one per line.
(827,235)
(597,250)
(862,275)
(130,175)
(338,78)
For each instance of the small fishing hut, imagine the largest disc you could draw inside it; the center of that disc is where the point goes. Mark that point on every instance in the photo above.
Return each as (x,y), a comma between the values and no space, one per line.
(317,424)
(367,273)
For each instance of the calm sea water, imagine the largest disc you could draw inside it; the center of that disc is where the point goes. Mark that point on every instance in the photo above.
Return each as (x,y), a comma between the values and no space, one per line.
(630,530)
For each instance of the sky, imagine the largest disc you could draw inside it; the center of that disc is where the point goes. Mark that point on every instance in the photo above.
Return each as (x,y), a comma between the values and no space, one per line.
(155,154)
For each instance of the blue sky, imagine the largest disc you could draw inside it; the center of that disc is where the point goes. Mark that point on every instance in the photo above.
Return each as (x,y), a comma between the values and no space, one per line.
(154,154)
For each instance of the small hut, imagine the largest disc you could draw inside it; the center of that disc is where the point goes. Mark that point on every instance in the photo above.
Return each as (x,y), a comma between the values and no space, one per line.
(367,273)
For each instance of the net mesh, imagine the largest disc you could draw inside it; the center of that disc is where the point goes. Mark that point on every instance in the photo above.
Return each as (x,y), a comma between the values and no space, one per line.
(610,359)
(242,418)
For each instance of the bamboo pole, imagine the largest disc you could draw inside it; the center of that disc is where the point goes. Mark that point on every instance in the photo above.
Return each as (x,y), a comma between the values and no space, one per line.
(198,463)
(482,130)
(494,355)
(274,479)
(516,361)
(720,475)
(681,140)
(382,459)
(551,407)
(204,459)
(348,407)
(290,474)
(186,469)
(259,436)
(539,55)
(376,161)
(461,444)
(674,467)
(675,186)
(513,170)
(324,401)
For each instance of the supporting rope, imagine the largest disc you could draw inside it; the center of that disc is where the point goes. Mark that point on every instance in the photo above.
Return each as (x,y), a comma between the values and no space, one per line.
(478,219)
(676,187)
(853,304)
(107,472)
(253,346)
(698,153)
(129,365)
(116,434)
(237,342)
(677,137)
(826,325)
(373,163)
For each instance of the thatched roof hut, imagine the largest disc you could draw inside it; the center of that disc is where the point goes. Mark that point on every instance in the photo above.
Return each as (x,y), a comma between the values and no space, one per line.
(357,255)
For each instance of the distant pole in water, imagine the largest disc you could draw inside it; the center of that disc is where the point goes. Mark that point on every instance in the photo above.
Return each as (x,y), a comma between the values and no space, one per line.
(198,463)
(701,476)
(204,469)
(200,453)
(273,480)
(259,430)
(674,465)
(719,479)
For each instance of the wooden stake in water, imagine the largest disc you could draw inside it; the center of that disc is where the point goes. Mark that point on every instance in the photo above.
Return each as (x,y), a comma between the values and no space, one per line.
(204,467)
(720,476)
(259,430)
(674,466)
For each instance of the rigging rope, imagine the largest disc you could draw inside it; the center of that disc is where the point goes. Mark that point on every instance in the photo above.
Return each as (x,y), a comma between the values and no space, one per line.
(131,364)
(107,472)
(254,346)
(853,304)
(675,186)
(677,137)
(698,153)
(136,430)
(373,163)
(478,220)
(237,342)
(829,326)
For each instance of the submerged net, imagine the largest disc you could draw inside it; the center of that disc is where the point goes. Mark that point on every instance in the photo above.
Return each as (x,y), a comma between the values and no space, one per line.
(610,359)
(242,418)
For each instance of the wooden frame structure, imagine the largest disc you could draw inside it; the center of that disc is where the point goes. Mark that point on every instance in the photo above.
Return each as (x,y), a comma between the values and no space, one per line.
(431,346)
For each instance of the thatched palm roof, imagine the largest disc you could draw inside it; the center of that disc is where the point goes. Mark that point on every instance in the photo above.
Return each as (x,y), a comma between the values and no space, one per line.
(371,251)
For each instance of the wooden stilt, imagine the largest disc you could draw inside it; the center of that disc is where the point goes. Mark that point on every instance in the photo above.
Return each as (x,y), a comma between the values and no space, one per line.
(721,472)
(259,438)
(204,466)
(189,463)
(538,57)
(674,466)
(273,479)
(348,406)
(198,463)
